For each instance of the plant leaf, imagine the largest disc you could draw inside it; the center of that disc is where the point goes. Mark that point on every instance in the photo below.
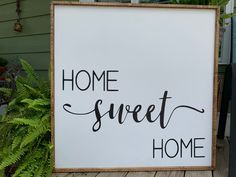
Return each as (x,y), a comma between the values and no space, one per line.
(12,158)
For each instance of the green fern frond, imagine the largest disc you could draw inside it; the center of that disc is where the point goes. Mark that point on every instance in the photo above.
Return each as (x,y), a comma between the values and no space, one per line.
(16,142)
(40,170)
(6,91)
(21,92)
(36,104)
(12,102)
(34,91)
(24,121)
(21,80)
(49,161)
(12,158)
(26,174)
(33,135)
(50,146)
(48,166)
(48,169)
(20,169)
(31,75)
(27,161)
(2,173)
(46,121)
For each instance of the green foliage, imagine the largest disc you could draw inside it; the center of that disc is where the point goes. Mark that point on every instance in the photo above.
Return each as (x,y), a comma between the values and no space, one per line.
(25,127)
(6,91)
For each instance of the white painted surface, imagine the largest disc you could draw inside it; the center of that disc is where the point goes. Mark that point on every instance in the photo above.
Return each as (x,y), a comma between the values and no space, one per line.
(154,50)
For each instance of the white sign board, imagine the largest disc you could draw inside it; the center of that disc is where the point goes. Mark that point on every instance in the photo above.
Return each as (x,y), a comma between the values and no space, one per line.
(133,86)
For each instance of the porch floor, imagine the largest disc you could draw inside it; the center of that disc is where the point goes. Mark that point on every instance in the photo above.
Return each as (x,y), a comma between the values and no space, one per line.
(221,168)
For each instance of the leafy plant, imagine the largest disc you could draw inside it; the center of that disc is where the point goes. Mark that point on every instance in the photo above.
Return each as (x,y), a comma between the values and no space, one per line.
(25,127)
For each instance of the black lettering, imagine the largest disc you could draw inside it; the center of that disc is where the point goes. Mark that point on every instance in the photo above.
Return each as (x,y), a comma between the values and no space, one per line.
(94,75)
(137,108)
(150,109)
(197,147)
(111,80)
(154,148)
(162,113)
(119,113)
(186,146)
(177,148)
(68,80)
(89,80)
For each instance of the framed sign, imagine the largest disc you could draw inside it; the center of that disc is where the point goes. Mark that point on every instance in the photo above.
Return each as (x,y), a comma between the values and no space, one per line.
(133,86)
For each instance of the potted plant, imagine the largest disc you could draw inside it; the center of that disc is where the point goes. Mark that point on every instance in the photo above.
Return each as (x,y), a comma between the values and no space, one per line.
(25,145)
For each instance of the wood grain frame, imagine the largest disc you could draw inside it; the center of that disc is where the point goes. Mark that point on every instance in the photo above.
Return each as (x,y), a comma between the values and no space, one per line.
(215,84)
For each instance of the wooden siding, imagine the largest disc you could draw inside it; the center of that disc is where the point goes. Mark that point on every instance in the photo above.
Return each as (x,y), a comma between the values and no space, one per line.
(32,44)
(30,9)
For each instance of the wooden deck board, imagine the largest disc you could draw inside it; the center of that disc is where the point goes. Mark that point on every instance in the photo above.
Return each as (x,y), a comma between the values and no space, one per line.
(141,174)
(222,161)
(170,174)
(198,174)
(221,169)
(70,175)
(112,174)
(60,174)
(85,174)
(75,175)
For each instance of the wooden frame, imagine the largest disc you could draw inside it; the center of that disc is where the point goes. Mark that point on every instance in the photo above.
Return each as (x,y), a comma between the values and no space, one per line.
(214,111)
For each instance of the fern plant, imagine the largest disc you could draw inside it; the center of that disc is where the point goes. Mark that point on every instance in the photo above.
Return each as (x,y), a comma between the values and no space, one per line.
(25,127)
